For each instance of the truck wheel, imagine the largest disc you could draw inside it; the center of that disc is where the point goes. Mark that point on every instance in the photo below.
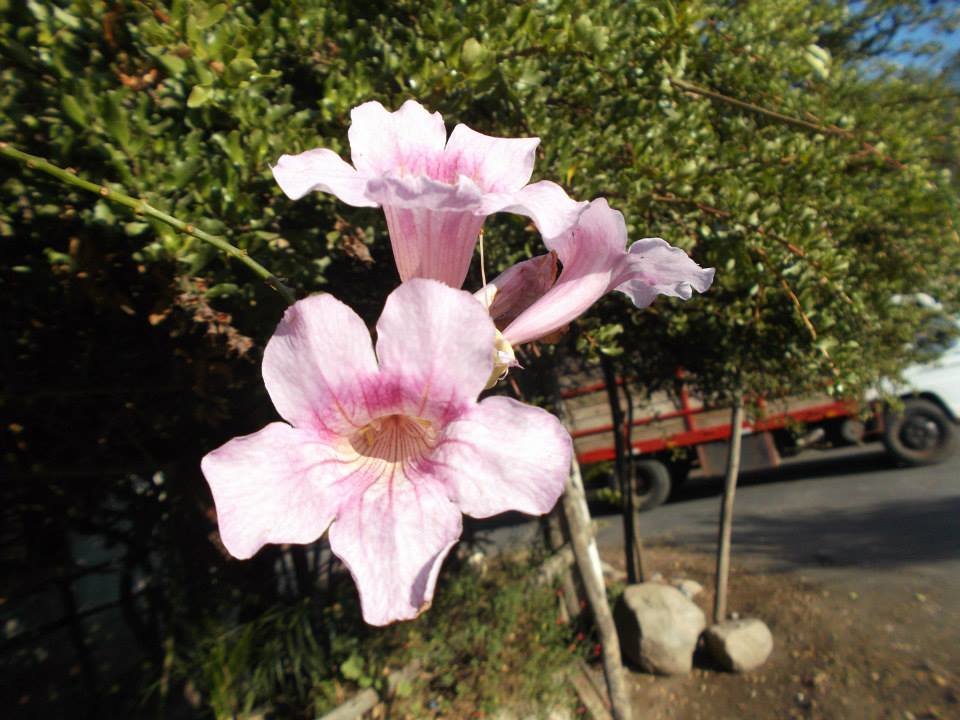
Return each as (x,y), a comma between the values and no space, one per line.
(919,435)
(653,484)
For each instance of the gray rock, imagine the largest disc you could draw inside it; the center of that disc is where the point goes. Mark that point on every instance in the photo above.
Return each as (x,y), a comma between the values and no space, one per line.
(740,645)
(690,588)
(611,572)
(478,563)
(659,627)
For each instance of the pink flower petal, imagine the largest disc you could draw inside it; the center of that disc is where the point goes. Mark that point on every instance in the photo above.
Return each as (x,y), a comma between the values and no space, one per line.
(545,202)
(393,537)
(433,226)
(518,287)
(597,241)
(590,252)
(419,191)
(432,244)
(595,261)
(273,486)
(323,170)
(654,267)
(407,141)
(495,164)
(438,342)
(503,455)
(316,365)
(565,302)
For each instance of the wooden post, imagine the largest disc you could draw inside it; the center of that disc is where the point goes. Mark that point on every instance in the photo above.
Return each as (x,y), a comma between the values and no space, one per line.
(577,513)
(555,541)
(588,562)
(726,509)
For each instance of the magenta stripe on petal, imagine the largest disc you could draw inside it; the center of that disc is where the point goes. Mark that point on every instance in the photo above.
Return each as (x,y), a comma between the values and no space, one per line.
(432,244)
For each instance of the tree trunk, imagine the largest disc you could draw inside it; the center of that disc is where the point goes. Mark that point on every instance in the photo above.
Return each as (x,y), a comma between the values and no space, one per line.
(588,562)
(726,509)
(621,466)
(631,477)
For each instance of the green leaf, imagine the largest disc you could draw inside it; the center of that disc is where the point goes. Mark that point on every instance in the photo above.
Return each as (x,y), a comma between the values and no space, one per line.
(211,17)
(352,668)
(136,228)
(115,119)
(183,170)
(103,212)
(73,110)
(239,69)
(173,64)
(199,96)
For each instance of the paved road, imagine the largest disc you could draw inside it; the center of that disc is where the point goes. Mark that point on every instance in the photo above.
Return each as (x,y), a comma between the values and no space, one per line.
(850,518)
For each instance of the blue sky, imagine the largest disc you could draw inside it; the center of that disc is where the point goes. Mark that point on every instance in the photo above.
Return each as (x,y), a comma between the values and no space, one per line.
(950,42)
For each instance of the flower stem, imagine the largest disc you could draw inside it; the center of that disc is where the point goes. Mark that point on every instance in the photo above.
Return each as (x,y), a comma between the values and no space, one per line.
(141,207)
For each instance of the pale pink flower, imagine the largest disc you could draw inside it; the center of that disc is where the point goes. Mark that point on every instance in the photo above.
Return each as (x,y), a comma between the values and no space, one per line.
(434,192)
(527,303)
(385,448)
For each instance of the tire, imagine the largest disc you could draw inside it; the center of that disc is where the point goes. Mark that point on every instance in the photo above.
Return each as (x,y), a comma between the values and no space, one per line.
(921,434)
(653,484)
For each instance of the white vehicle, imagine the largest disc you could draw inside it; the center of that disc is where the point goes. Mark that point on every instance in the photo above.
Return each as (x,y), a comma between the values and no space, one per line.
(927,429)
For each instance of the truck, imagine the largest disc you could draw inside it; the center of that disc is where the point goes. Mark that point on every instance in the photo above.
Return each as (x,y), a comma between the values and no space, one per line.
(674,431)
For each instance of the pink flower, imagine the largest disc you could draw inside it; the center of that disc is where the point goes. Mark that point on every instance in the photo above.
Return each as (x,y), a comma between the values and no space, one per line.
(385,448)
(528,305)
(435,192)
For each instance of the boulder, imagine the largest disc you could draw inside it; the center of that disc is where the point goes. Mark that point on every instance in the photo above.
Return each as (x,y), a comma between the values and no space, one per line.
(690,588)
(659,627)
(740,645)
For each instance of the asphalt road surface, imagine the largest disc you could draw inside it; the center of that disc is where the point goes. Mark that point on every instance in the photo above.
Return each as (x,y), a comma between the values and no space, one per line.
(849,518)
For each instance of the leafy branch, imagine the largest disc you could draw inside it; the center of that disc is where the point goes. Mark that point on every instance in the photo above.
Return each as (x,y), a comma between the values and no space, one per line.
(785,119)
(142,207)
(760,230)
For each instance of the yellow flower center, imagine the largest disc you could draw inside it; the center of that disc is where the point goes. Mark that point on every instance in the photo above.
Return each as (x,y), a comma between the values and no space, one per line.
(503,359)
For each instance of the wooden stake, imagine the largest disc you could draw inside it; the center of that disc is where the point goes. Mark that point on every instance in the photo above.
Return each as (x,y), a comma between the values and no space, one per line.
(556,532)
(588,562)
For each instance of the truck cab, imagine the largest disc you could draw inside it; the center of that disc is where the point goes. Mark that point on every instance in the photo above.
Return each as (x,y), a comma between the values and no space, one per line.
(926,429)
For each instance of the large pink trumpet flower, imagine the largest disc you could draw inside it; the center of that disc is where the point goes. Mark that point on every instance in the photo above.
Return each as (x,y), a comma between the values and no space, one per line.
(434,192)
(528,305)
(385,448)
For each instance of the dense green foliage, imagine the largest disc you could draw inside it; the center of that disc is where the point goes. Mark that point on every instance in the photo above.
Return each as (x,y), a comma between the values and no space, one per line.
(491,637)
(817,189)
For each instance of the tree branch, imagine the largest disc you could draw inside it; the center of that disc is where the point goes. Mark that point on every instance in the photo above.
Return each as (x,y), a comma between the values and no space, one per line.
(786,119)
(141,207)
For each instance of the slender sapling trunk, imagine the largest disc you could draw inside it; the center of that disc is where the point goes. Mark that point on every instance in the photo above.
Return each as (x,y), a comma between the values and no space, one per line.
(621,462)
(726,509)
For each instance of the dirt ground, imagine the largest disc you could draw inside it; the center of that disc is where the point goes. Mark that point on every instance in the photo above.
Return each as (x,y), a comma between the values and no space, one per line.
(837,654)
